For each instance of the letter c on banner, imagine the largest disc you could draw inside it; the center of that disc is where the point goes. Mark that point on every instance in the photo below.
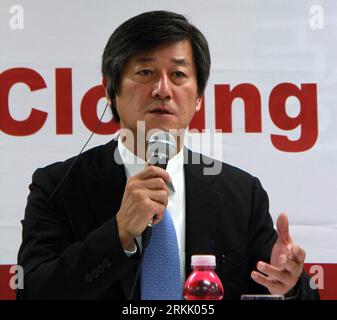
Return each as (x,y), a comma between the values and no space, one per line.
(36,119)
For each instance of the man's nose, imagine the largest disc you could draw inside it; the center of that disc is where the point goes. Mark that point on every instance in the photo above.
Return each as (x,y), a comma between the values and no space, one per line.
(162,88)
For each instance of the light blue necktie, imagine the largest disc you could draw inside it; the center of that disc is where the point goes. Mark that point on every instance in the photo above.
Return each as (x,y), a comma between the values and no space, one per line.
(160,271)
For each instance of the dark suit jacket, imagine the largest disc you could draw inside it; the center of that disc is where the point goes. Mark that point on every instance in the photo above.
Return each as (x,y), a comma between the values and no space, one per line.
(71,249)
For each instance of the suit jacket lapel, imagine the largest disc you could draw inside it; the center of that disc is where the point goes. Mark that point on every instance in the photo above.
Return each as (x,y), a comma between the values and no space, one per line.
(108,180)
(202,208)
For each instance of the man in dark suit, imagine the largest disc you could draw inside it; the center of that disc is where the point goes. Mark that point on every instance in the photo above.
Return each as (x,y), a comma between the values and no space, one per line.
(85,217)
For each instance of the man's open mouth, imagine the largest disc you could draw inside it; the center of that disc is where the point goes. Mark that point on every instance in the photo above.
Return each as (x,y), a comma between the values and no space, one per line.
(161,112)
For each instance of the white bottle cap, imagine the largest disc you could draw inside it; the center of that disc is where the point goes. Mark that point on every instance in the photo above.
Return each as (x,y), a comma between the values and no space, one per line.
(206,260)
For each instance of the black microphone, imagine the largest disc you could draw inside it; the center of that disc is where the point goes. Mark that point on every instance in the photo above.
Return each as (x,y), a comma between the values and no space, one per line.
(161,147)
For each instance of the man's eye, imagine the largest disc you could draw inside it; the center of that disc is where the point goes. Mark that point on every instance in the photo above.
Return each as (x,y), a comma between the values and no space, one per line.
(145,72)
(179,74)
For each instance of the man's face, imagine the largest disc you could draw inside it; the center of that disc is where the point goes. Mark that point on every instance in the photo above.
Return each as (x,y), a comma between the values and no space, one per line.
(160,88)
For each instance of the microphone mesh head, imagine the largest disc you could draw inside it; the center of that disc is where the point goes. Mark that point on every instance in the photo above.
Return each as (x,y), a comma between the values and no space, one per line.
(161,148)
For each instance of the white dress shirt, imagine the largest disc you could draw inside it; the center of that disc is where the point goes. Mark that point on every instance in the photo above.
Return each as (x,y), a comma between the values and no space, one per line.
(176,201)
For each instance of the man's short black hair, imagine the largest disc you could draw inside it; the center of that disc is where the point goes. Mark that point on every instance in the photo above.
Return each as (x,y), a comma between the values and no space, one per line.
(145,32)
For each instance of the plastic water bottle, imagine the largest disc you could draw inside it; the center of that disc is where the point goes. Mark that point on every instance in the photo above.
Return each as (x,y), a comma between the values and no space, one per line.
(203,283)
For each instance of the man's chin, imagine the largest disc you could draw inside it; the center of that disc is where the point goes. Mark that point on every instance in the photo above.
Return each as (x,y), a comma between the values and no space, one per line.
(165,123)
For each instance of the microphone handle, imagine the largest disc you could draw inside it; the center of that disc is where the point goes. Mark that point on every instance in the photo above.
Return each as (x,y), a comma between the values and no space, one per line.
(146,235)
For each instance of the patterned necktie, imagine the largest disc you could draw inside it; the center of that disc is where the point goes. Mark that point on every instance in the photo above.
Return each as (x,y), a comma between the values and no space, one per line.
(160,271)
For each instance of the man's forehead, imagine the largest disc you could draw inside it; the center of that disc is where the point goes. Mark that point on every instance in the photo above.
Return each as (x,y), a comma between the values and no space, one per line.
(180,55)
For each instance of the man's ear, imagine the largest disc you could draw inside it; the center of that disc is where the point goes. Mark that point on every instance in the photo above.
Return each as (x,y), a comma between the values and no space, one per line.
(198,105)
(105,86)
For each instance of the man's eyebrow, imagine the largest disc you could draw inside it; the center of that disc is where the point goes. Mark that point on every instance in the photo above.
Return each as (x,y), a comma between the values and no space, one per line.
(181,62)
(178,61)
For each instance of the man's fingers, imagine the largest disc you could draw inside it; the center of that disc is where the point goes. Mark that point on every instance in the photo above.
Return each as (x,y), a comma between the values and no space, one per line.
(159,196)
(152,172)
(155,184)
(283,228)
(298,254)
(278,279)
(272,272)
(291,266)
(271,284)
(158,214)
